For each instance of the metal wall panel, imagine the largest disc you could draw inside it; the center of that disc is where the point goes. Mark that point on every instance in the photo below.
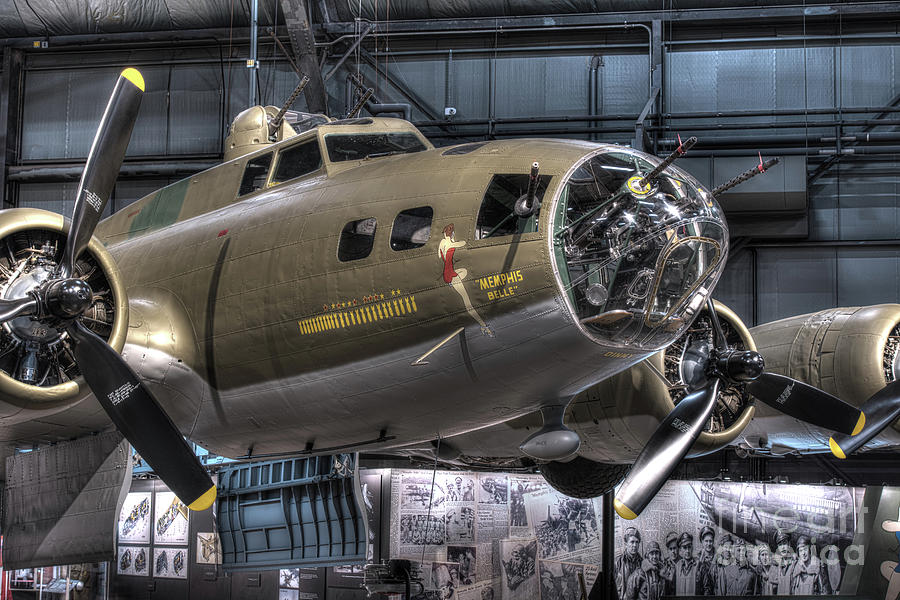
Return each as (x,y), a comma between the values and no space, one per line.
(793,281)
(745,80)
(735,288)
(624,83)
(470,89)
(427,78)
(152,126)
(866,75)
(195,110)
(691,84)
(868,276)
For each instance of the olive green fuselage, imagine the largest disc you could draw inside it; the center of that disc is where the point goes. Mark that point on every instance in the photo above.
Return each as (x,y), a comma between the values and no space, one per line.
(280,346)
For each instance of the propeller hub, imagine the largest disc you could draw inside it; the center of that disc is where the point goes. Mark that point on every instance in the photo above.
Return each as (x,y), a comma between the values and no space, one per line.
(25,328)
(740,366)
(68,298)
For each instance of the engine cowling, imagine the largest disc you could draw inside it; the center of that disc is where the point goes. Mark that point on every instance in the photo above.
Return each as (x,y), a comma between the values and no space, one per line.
(850,353)
(37,372)
(616,417)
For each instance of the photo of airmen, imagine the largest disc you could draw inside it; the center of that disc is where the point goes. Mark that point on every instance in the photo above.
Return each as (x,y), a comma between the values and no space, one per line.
(460,524)
(493,490)
(422,530)
(464,556)
(559,581)
(573,527)
(786,549)
(731,567)
(459,489)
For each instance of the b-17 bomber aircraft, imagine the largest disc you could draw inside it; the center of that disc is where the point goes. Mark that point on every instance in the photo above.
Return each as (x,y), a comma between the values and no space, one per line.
(345,286)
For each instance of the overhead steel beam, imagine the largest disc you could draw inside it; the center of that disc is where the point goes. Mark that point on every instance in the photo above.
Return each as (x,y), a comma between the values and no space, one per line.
(303,41)
(873,10)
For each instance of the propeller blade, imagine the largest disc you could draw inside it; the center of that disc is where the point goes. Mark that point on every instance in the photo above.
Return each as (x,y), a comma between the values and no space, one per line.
(809,404)
(140,418)
(103,163)
(666,448)
(882,409)
(17,307)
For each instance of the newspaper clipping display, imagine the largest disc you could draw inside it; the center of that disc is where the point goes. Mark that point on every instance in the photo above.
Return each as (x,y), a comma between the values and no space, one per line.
(737,539)
(482,536)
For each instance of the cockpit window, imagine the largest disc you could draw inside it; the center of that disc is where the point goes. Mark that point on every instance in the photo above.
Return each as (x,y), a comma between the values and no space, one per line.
(255,173)
(497,216)
(356,146)
(637,258)
(297,161)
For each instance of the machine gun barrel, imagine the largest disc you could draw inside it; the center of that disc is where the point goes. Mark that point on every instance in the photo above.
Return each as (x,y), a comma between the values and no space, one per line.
(676,153)
(762,167)
(275,123)
(525,205)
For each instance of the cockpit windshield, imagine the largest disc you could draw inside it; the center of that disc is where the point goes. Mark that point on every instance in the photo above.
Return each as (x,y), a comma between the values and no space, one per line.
(636,257)
(357,146)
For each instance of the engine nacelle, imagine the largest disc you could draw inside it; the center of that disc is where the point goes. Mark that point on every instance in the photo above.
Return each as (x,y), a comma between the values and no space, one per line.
(37,371)
(616,417)
(850,353)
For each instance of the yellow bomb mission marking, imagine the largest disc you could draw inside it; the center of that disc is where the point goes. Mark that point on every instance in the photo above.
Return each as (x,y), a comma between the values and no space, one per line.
(503,281)
(359,315)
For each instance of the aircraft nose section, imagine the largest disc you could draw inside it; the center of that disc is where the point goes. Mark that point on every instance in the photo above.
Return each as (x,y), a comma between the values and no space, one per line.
(636,260)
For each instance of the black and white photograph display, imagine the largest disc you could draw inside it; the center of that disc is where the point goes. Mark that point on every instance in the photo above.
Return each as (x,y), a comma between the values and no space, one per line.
(738,539)
(134,519)
(479,534)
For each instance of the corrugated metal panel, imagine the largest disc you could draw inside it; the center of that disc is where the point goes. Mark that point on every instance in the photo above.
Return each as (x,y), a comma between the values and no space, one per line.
(566,91)
(691,81)
(745,80)
(624,83)
(426,78)
(791,73)
(55,197)
(869,208)
(151,129)
(735,288)
(793,281)
(521,83)
(867,75)
(868,276)
(823,211)
(470,89)
(44,114)
(195,104)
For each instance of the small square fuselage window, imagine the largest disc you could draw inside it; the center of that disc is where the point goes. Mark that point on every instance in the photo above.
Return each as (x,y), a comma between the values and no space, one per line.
(357,239)
(412,228)
(255,174)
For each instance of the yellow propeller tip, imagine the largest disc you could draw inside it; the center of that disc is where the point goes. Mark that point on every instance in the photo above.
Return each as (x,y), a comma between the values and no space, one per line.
(835,449)
(623,511)
(135,77)
(204,501)
(860,424)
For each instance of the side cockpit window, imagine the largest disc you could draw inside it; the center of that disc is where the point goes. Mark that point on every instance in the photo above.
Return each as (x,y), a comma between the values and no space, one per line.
(298,161)
(255,174)
(357,146)
(497,216)
(412,228)
(357,239)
